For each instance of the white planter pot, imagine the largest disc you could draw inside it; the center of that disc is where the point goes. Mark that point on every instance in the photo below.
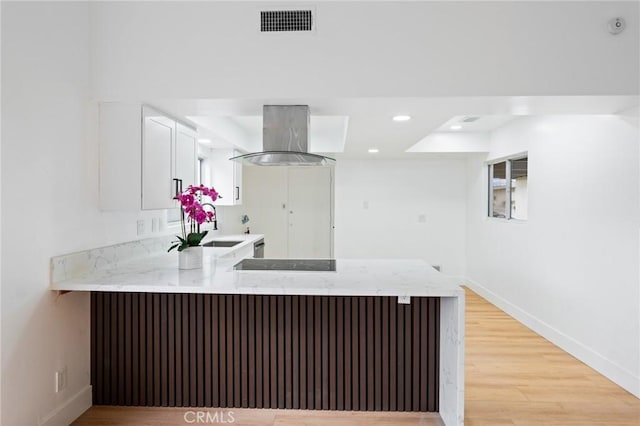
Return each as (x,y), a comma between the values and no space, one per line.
(190,258)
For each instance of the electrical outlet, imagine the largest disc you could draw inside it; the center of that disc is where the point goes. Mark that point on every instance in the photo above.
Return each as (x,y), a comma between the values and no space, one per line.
(61,379)
(140,227)
(404,300)
(422,218)
(365,205)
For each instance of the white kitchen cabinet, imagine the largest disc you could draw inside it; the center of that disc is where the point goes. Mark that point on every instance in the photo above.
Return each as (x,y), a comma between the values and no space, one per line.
(158,160)
(186,155)
(226,176)
(142,153)
(237,180)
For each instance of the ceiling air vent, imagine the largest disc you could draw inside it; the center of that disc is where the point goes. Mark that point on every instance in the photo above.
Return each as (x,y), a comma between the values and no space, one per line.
(470,119)
(285,20)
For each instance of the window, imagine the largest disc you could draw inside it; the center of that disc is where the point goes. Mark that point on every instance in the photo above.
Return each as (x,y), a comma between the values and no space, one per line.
(518,199)
(498,189)
(508,188)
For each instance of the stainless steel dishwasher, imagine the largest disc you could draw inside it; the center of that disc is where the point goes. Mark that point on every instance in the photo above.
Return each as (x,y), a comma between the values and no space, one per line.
(258,249)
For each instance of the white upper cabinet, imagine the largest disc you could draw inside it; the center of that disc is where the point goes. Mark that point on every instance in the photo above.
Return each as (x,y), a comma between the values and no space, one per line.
(145,156)
(226,176)
(158,146)
(186,155)
(237,180)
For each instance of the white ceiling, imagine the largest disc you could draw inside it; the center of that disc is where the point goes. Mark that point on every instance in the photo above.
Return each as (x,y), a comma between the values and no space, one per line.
(368,121)
(474,123)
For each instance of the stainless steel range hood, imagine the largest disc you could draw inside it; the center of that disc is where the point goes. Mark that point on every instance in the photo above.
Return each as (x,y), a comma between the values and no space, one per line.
(285,138)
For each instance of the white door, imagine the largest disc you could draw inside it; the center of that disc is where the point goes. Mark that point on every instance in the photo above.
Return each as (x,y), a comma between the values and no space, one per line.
(266,205)
(157,161)
(309,213)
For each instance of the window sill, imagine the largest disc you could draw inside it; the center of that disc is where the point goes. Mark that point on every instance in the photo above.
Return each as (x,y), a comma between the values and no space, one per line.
(504,220)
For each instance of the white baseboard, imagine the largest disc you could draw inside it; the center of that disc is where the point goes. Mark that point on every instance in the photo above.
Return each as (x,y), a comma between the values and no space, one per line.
(70,410)
(614,372)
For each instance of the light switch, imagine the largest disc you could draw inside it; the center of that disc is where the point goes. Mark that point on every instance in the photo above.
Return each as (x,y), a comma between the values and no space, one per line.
(365,205)
(422,218)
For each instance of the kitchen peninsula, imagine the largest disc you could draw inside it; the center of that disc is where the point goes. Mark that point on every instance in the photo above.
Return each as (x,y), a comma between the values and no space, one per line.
(375,334)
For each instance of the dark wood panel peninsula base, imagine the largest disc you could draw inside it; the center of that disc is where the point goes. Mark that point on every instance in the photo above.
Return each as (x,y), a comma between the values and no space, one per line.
(260,351)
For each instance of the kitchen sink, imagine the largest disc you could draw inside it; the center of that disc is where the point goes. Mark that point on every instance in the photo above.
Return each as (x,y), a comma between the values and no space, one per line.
(221,243)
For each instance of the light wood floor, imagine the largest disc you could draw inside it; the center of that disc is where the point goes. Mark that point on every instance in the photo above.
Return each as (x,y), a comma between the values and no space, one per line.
(513,377)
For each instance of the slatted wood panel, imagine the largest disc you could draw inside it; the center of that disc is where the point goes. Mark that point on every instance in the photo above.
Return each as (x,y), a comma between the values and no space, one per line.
(298,352)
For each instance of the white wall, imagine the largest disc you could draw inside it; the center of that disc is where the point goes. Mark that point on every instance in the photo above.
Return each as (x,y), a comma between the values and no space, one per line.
(570,271)
(379,204)
(45,78)
(50,207)
(148,50)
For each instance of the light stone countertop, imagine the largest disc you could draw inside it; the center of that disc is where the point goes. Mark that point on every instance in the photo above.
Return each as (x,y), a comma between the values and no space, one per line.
(159,273)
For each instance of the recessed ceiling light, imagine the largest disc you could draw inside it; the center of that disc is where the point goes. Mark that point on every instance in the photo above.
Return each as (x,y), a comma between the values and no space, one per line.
(204,140)
(456,127)
(402,118)
(373,150)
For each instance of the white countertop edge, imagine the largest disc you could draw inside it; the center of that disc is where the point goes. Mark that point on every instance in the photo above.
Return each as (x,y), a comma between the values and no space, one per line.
(294,291)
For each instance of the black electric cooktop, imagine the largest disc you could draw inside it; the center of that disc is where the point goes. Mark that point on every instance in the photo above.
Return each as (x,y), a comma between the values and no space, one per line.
(327,265)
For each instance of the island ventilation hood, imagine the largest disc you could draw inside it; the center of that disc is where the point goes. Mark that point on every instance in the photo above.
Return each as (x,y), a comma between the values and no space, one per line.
(285,137)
